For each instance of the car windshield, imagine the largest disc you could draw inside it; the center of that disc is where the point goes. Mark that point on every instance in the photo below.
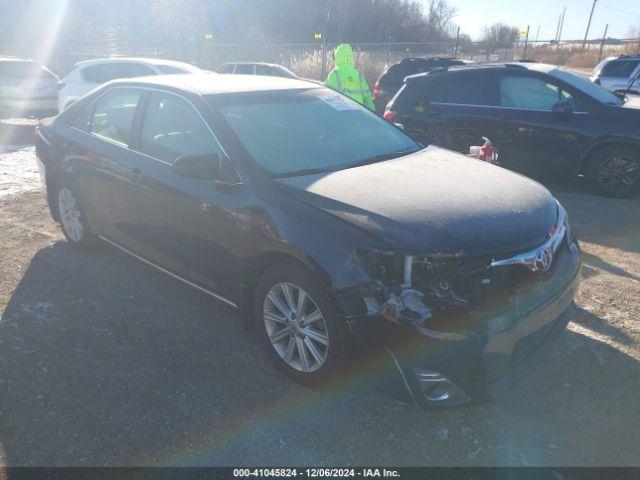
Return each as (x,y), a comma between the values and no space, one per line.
(297,132)
(594,91)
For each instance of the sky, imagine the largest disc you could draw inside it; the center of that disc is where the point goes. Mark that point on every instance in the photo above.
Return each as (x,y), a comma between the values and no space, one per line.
(619,14)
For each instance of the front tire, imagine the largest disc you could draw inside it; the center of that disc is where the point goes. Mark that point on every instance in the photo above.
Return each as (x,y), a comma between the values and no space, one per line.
(298,323)
(73,221)
(615,171)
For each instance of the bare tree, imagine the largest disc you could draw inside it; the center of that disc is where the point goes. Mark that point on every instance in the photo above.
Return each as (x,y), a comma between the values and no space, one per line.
(498,36)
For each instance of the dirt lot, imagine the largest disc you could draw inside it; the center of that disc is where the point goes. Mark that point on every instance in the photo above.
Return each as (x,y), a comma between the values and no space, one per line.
(105,361)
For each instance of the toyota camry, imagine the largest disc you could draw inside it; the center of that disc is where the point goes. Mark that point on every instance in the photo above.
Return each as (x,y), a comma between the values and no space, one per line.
(326,226)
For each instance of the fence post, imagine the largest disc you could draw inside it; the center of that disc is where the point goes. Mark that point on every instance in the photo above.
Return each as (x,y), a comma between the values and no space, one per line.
(323,49)
(526,42)
(604,36)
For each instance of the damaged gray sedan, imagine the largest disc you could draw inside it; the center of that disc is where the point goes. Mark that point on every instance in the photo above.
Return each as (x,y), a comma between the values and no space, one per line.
(326,226)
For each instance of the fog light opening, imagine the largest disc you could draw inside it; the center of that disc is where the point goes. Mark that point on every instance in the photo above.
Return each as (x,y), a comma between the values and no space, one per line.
(436,393)
(437,389)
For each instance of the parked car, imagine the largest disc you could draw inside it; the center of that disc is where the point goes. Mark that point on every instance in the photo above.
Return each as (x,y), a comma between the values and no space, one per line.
(393,77)
(543,120)
(87,75)
(325,225)
(27,87)
(618,74)
(256,68)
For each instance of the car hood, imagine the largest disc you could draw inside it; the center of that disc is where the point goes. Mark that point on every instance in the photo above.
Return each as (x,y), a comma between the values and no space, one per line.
(434,201)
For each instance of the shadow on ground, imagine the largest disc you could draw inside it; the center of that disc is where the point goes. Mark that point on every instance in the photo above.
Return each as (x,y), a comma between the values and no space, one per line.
(105,361)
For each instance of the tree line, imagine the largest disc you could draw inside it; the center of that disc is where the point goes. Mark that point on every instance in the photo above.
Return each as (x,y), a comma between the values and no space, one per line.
(68,24)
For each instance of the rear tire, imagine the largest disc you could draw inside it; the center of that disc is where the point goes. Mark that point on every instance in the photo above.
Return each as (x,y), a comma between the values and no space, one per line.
(615,171)
(298,324)
(73,220)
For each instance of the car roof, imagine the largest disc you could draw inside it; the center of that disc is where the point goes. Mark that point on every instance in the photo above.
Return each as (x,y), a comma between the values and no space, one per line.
(536,67)
(208,83)
(623,57)
(148,61)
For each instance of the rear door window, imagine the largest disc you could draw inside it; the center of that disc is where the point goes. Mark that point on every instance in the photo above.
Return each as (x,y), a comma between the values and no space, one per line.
(114,70)
(172,128)
(130,70)
(264,70)
(619,68)
(113,115)
(469,89)
(92,73)
(244,69)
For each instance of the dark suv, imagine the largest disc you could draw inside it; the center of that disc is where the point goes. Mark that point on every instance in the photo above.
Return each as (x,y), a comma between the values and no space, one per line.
(541,118)
(391,80)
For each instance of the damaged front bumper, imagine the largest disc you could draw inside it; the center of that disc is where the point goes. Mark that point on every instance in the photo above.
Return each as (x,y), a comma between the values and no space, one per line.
(467,356)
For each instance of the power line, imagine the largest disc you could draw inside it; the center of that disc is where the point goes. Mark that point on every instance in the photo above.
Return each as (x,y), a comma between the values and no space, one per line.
(620,10)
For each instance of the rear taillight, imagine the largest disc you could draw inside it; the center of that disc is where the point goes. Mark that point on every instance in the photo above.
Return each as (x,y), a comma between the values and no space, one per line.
(389,115)
(376,91)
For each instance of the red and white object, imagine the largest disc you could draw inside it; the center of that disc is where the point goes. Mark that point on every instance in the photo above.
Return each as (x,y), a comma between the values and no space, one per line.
(486,152)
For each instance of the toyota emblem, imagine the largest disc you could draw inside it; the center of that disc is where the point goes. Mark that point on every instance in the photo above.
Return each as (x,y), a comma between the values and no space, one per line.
(543,260)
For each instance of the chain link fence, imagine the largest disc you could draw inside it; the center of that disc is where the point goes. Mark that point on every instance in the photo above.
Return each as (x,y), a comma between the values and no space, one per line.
(314,60)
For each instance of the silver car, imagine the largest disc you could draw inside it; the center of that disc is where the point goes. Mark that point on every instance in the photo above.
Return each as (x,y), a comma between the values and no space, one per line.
(27,87)
(618,74)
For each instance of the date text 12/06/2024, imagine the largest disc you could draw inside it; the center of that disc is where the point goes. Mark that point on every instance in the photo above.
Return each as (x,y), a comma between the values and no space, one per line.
(316,472)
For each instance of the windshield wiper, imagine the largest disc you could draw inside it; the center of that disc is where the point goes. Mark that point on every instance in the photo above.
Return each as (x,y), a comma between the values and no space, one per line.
(384,156)
(367,161)
(300,173)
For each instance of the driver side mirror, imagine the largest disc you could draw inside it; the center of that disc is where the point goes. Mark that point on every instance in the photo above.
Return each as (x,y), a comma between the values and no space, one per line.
(563,107)
(206,167)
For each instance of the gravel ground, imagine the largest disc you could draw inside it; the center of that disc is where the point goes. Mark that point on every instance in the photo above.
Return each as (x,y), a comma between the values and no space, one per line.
(105,361)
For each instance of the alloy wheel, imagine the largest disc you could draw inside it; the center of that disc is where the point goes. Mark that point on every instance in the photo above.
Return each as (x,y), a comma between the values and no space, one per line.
(296,327)
(619,171)
(70,215)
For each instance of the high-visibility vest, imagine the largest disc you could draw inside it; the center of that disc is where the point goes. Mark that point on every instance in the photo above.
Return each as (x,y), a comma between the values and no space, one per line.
(344,78)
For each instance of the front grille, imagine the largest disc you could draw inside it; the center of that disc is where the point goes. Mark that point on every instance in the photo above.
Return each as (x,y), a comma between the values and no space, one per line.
(477,283)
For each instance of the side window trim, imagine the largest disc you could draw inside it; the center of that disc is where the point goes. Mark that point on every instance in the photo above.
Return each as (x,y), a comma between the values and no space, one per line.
(137,128)
(562,86)
(92,107)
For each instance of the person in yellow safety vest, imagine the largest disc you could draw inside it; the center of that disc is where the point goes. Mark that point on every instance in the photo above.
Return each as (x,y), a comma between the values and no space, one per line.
(344,78)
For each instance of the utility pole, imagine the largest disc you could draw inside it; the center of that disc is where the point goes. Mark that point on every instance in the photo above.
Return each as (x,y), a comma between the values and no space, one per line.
(604,36)
(564,11)
(537,35)
(526,41)
(558,27)
(593,7)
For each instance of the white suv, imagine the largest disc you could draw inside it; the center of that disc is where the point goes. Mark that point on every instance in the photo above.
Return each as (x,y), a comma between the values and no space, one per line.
(618,74)
(85,76)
